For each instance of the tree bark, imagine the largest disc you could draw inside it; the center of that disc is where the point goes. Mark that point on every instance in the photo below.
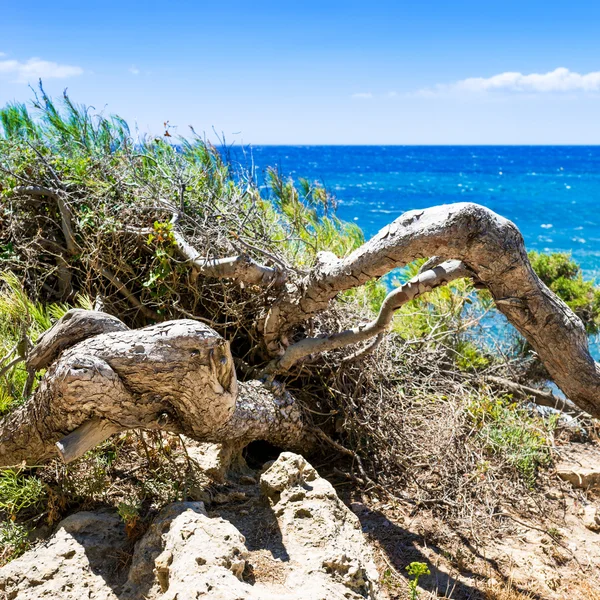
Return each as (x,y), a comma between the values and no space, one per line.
(103,378)
(492,249)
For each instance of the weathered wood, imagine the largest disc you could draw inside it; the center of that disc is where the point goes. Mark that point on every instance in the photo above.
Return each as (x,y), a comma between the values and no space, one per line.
(492,248)
(424,282)
(76,325)
(84,438)
(177,376)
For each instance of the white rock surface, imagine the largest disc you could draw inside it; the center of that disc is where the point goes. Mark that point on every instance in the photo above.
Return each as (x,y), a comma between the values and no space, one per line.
(579,465)
(317,552)
(81,560)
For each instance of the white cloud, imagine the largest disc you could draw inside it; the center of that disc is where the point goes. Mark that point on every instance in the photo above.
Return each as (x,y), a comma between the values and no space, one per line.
(36,68)
(134,70)
(559,80)
(363,95)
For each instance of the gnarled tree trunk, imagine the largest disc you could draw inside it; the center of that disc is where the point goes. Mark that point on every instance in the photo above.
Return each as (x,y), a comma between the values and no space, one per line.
(179,375)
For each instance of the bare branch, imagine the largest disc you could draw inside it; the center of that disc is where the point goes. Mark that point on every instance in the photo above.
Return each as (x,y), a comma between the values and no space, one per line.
(539,397)
(66,216)
(129,296)
(492,248)
(422,283)
(240,268)
(73,327)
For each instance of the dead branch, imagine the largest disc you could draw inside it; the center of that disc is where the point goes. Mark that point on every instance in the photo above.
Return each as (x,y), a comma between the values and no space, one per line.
(240,268)
(492,248)
(422,283)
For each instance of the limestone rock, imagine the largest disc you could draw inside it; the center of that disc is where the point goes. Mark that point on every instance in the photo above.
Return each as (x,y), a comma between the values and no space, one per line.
(580,465)
(318,531)
(212,459)
(186,554)
(79,561)
(316,550)
(591,518)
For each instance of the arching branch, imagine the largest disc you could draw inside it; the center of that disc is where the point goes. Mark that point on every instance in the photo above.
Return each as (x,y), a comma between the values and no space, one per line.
(492,248)
(417,286)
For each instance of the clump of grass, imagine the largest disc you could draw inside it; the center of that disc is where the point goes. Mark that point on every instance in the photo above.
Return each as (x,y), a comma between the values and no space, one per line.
(14,541)
(510,432)
(19,492)
(22,321)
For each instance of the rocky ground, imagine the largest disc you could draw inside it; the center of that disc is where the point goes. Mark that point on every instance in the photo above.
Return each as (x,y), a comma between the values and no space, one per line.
(284,532)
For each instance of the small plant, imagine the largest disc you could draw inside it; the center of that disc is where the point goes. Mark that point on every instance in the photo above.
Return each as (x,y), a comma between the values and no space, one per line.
(416,570)
(130,513)
(14,541)
(18,492)
(511,433)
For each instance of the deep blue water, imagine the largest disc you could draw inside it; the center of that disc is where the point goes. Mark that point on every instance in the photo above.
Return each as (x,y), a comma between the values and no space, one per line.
(552,193)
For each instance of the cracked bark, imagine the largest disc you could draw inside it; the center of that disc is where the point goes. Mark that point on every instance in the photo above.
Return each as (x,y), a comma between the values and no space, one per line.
(492,248)
(177,376)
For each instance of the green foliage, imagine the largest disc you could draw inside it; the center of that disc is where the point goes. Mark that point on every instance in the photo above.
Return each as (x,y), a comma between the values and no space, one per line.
(436,313)
(19,492)
(416,570)
(309,217)
(14,540)
(22,319)
(509,432)
(469,357)
(563,276)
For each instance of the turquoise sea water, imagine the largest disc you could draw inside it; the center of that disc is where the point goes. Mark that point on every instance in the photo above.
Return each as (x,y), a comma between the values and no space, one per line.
(552,193)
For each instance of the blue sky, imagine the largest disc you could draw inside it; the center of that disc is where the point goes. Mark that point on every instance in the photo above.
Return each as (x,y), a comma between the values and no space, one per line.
(325,72)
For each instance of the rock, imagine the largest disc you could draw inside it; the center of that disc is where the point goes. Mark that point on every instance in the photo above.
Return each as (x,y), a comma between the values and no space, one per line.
(213,459)
(580,465)
(591,518)
(316,552)
(184,553)
(319,532)
(80,560)
(288,471)
(187,554)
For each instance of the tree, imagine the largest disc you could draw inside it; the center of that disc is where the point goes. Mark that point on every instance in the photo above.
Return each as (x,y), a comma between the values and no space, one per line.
(153,232)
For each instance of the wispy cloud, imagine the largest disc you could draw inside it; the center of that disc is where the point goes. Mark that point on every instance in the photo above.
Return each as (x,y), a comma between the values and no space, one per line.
(363,95)
(134,70)
(36,68)
(558,81)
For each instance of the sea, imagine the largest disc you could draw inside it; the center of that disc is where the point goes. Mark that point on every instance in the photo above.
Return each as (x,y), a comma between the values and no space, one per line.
(552,193)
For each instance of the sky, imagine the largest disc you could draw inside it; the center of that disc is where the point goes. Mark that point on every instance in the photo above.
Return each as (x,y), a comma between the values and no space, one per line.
(318,72)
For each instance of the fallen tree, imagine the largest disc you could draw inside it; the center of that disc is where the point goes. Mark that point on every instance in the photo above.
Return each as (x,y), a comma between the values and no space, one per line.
(179,375)
(154,248)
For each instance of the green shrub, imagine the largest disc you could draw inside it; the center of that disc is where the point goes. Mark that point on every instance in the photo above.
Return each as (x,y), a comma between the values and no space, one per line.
(513,435)
(14,541)
(19,492)
(563,276)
